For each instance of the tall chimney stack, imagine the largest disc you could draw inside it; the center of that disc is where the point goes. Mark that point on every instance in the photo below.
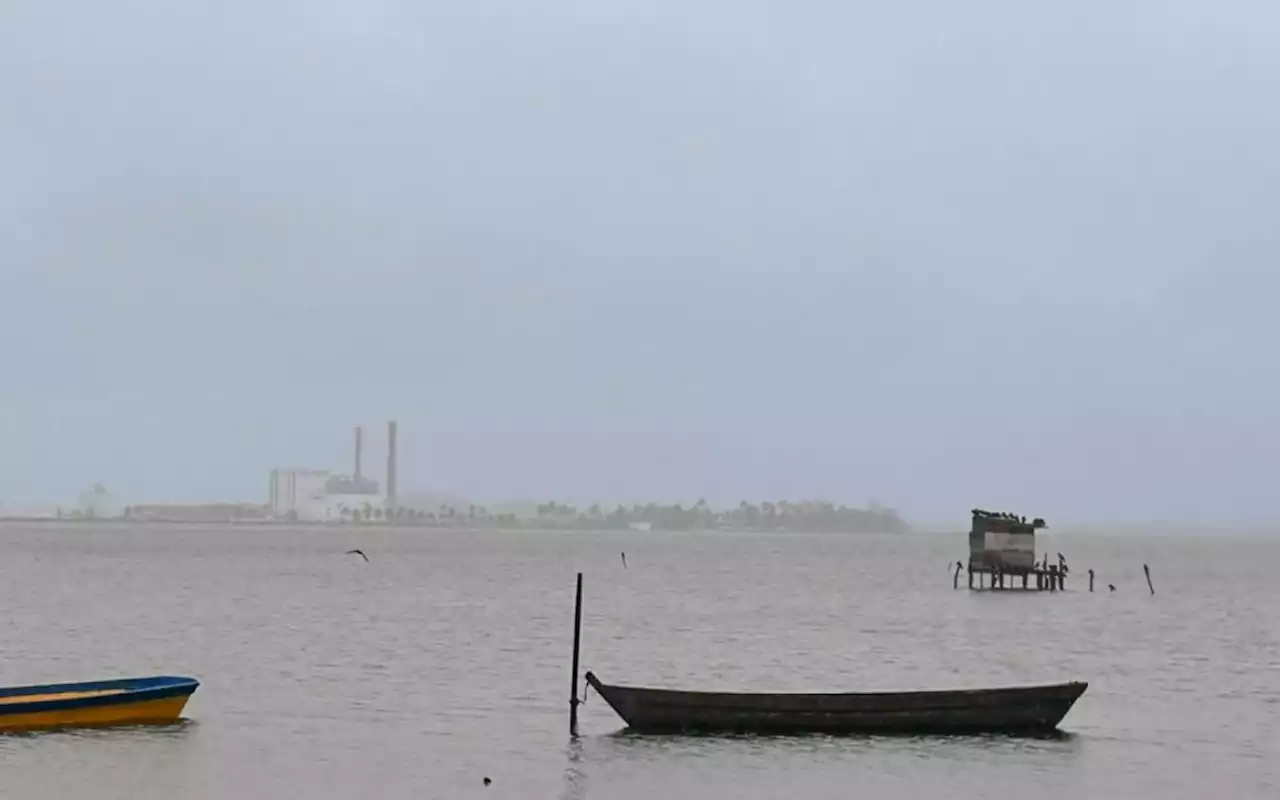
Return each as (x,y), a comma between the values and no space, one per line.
(359,437)
(391,464)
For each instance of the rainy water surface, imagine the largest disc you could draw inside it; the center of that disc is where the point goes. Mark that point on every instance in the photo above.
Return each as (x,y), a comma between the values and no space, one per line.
(445,659)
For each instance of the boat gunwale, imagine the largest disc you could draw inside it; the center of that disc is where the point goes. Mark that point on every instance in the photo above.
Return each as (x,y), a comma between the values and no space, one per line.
(123,691)
(706,698)
(677,711)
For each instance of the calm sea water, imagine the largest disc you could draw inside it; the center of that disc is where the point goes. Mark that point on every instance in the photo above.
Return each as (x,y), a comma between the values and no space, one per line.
(446,659)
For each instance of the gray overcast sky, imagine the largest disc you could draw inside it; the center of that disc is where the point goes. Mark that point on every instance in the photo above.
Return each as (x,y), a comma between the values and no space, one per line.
(937,254)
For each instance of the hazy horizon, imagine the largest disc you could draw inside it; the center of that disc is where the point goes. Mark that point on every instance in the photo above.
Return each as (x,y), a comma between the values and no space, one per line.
(933,256)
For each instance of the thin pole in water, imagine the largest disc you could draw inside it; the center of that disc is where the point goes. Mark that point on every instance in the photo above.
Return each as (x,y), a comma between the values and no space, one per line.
(1147,570)
(577,644)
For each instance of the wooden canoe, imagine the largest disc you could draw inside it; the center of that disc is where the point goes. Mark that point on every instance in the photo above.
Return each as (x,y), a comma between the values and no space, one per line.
(125,701)
(1028,709)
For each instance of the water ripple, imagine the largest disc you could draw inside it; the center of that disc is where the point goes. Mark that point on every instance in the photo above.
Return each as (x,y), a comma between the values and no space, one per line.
(444,659)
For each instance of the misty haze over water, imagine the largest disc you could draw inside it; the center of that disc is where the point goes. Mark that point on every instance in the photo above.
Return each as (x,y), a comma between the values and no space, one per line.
(920,257)
(933,255)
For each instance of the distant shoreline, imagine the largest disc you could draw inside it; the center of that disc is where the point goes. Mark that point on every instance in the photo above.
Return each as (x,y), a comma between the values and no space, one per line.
(1119,530)
(784,515)
(414,525)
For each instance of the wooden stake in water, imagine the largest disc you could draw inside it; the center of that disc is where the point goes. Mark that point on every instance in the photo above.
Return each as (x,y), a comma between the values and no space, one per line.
(1147,570)
(577,644)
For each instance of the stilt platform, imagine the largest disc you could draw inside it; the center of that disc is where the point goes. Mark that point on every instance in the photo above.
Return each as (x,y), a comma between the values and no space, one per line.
(1002,556)
(1037,579)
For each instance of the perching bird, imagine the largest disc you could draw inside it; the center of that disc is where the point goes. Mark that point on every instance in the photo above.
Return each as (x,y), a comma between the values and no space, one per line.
(624,560)
(358,552)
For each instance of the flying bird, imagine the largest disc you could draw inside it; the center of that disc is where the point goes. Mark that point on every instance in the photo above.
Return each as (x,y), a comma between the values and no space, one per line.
(358,552)
(1111,586)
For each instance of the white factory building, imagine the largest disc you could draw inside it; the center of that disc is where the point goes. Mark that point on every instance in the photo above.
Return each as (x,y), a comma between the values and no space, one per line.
(318,495)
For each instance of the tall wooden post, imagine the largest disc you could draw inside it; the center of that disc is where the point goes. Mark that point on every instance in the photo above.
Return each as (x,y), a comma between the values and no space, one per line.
(577,645)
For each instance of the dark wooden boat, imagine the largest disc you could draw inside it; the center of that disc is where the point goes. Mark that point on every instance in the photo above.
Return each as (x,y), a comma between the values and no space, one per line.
(1024,710)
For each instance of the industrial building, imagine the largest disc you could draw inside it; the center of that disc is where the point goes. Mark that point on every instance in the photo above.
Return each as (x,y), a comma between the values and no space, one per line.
(318,495)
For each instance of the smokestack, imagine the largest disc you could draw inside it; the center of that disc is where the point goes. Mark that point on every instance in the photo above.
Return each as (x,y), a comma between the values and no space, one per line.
(359,437)
(391,464)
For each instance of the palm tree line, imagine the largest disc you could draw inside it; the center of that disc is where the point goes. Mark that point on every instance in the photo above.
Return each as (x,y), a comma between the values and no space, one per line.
(783,515)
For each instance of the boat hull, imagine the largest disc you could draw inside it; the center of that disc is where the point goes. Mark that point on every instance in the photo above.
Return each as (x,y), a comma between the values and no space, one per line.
(128,701)
(1025,710)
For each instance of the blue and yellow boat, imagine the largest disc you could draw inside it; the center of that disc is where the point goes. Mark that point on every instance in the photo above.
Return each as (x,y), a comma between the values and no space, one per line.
(126,701)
